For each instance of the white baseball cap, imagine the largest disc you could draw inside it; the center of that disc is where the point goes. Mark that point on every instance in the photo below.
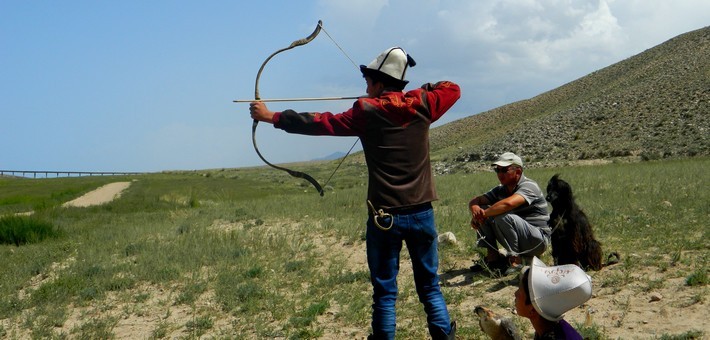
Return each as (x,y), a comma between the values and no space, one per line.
(392,62)
(555,290)
(507,159)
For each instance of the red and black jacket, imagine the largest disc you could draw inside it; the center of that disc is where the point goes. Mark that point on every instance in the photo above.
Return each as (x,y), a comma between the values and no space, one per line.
(394,132)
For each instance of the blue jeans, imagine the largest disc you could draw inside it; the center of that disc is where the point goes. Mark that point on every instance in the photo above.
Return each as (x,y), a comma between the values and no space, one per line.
(417,229)
(517,236)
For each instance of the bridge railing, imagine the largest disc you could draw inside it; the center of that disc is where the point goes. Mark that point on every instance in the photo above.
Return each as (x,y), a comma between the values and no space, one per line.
(34,173)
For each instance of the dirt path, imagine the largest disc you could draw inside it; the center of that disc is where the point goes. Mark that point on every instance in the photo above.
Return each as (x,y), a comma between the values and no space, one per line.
(102,195)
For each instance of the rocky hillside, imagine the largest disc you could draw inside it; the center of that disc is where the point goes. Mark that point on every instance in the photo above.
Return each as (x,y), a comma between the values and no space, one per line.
(650,106)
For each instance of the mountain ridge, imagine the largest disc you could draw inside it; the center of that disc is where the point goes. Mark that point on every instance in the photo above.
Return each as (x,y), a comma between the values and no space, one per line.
(652,105)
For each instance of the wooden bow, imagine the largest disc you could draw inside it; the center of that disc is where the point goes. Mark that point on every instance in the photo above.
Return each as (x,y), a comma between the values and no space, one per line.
(293,173)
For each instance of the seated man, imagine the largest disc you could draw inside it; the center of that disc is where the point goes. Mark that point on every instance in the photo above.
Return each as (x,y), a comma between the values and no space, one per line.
(545,293)
(513,214)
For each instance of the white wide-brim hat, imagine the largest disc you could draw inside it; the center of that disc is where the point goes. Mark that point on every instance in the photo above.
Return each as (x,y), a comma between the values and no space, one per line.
(555,290)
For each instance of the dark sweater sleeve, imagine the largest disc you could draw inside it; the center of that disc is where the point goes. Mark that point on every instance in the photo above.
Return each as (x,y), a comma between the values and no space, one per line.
(319,123)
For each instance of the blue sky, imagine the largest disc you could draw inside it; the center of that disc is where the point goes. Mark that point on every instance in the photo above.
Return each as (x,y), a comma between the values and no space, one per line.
(148,85)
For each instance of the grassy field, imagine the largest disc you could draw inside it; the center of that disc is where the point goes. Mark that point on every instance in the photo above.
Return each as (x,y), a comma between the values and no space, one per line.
(253,253)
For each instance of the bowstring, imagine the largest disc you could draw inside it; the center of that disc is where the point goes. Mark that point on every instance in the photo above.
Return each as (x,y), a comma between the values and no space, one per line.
(336,44)
(357,67)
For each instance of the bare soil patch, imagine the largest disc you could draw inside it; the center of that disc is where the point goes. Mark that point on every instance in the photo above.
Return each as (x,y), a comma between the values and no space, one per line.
(102,195)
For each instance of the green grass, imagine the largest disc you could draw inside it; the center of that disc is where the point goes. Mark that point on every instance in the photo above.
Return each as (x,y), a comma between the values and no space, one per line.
(24,194)
(20,230)
(689,335)
(253,252)
(698,278)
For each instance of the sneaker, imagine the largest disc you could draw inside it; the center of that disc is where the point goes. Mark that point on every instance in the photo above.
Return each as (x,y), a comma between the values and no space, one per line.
(513,269)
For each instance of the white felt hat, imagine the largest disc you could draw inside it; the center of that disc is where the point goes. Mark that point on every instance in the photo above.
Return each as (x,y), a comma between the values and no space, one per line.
(555,290)
(392,62)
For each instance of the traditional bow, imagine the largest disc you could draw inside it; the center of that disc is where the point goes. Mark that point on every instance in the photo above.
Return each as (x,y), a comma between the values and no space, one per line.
(293,173)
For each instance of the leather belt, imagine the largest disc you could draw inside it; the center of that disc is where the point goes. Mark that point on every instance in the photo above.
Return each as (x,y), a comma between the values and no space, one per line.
(412,209)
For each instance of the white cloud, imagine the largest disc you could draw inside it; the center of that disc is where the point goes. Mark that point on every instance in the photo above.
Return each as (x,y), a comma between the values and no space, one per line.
(648,23)
(589,37)
(556,40)
(601,24)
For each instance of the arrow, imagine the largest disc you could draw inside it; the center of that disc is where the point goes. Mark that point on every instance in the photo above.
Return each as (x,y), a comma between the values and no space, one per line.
(294,99)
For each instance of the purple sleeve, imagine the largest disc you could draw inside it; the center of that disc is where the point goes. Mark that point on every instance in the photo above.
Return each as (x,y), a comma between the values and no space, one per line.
(568,332)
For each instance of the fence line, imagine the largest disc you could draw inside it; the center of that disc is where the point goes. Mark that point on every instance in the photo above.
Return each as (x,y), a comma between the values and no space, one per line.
(34,173)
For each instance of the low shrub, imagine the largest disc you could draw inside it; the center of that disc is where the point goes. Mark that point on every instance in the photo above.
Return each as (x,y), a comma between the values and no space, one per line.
(19,230)
(697,278)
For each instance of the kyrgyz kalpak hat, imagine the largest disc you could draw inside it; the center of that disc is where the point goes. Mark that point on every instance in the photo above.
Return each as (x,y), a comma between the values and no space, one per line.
(392,62)
(555,290)
(508,159)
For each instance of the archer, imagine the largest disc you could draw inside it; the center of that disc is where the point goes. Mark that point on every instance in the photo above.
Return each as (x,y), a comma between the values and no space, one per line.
(393,127)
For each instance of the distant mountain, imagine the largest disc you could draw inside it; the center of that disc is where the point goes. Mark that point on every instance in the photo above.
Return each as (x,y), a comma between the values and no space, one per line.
(332,156)
(650,106)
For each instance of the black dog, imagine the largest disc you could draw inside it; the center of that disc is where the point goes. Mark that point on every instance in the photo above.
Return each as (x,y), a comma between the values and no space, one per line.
(572,238)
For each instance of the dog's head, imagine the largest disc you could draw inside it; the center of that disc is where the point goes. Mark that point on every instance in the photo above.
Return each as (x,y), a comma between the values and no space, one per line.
(496,326)
(558,190)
